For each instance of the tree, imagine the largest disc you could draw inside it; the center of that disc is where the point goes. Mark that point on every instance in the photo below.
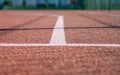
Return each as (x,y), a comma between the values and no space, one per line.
(47,3)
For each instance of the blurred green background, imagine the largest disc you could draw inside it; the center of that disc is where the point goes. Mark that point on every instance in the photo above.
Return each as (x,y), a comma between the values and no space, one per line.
(60,4)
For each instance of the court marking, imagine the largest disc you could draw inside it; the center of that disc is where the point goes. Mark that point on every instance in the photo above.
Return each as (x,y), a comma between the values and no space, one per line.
(110,14)
(67,45)
(56,39)
(103,14)
(58,35)
(34,14)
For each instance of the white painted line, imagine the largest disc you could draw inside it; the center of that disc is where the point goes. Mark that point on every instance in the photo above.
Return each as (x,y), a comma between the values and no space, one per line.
(103,14)
(58,36)
(115,15)
(68,45)
(34,14)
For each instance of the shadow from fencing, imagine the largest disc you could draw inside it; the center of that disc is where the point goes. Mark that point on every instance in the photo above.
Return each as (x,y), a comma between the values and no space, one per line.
(66,28)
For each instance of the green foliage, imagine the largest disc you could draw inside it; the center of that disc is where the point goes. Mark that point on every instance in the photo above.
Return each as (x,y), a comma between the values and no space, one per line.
(47,3)
(7,3)
(81,5)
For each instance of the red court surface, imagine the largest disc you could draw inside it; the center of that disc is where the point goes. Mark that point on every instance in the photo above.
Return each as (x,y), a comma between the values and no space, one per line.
(88,42)
(59,61)
(88,27)
(26,28)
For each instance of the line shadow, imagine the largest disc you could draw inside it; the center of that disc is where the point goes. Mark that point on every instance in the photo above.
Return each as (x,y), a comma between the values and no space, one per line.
(17,29)
(91,18)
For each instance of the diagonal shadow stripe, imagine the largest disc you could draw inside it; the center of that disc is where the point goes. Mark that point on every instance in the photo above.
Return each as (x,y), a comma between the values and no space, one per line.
(16,27)
(96,20)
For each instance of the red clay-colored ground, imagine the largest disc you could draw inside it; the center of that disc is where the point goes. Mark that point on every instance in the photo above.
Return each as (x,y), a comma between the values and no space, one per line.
(92,27)
(59,61)
(18,28)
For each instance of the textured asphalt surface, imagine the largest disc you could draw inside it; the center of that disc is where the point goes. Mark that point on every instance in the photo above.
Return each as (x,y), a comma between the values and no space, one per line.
(80,27)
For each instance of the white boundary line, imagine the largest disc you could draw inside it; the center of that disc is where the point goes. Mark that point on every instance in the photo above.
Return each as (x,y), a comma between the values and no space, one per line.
(68,45)
(34,14)
(58,36)
(58,39)
(110,14)
(105,14)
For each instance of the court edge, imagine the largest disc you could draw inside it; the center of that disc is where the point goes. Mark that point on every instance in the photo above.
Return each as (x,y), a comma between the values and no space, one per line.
(39,45)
